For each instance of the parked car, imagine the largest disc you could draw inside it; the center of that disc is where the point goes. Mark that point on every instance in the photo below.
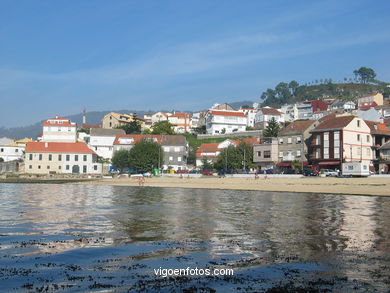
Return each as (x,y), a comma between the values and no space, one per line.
(207,172)
(311,173)
(330,172)
(182,172)
(194,171)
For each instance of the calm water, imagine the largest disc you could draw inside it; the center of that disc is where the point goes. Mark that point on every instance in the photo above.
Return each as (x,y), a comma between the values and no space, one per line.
(79,238)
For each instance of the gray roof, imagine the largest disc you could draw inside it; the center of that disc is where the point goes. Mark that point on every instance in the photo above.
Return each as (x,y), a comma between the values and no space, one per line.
(174,140)
(385,146)
(106,132)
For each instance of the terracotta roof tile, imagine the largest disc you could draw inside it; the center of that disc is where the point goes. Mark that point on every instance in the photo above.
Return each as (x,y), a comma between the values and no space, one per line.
(297,127)
(270,111)
(335,123)
(227,113)
(58,147)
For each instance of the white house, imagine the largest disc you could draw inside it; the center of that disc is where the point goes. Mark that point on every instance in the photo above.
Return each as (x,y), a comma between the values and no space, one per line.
(60,157)
(210,151)
(250,114)
(59,130)
(264,115)
(11,152)
(345,105)
(181,122)
(102,141)
(221,121)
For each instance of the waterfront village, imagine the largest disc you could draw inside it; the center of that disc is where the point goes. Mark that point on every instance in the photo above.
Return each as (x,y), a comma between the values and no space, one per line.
(310,137)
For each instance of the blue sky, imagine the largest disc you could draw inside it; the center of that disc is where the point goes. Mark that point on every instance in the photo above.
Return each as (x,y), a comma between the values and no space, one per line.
(58,56)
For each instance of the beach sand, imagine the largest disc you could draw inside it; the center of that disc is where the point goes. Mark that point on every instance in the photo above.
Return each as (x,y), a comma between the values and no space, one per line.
(360,186)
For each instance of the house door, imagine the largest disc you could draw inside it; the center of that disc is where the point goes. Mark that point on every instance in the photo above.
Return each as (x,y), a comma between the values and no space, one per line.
(76,169)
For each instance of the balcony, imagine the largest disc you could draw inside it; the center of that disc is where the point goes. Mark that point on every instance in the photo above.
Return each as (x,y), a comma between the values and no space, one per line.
(384,158)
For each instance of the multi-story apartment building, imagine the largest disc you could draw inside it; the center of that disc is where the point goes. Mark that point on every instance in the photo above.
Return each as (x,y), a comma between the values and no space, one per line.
(221,121)
(341,139)
(265,153)
(380,133)
(11,152)
(293,142)
(250,114)
(59,130)
(175,148)
(60,157)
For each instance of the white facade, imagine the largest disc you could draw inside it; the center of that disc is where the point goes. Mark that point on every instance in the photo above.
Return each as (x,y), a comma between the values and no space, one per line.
(263,117)
(10,153)
(59,130)
(102,145)
(219,121)
(251,116)
(159,116)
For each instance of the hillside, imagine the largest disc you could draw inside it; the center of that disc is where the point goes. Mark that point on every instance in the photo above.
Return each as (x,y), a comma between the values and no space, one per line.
(350,91)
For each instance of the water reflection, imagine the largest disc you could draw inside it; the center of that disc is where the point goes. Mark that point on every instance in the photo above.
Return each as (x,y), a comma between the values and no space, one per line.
(265,227)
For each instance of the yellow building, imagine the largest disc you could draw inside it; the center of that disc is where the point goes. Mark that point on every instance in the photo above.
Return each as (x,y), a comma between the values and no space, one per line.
(114,120)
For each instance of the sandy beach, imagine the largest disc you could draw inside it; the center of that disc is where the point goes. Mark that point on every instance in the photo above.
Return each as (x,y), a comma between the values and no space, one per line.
(358,186)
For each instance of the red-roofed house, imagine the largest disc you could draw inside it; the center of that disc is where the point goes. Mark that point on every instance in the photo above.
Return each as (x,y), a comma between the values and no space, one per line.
(181,122)
(220,121)
(212,150)
(59,130)
(60,157)
(370,100)
(343,138)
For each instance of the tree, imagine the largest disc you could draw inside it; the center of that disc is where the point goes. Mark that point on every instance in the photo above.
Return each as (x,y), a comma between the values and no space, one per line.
(120,159)
(272,129)
(145,155)
(293,86)
(162,127)
(206,165)
(283,92)
(133,127)
(200,129)
(235,158)
(296,165)
(365,74)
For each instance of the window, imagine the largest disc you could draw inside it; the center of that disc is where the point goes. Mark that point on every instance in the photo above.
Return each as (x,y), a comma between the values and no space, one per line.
(368,138)
(299,139)
(326,153)
(298,153)
(259,153)
(326,136)
(280,154)
(267,154)
(40,157)
(76,157)
(281,140)
(16,150)
(68,157)
(2,150)
(30,157)
(177,149)
(318,139)
(358,137)
(171,158)
(59,157)
(95,167)
(336,154)
(30,167)
(39,166)
(166,149)
(50,157)
(289,140)
(336,135)
(318,154)
(368,152)
(358,123)
(48,167)
(84,169)
(67,167)
(84,158)
(59,167)
(179,159)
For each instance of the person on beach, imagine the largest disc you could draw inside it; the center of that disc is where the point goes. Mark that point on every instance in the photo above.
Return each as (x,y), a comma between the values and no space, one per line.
(265,175)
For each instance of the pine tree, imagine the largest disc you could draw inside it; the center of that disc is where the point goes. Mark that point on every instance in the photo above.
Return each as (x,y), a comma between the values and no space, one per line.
(272,129)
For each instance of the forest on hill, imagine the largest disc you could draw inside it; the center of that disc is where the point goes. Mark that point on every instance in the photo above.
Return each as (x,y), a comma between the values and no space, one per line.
(349,88)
